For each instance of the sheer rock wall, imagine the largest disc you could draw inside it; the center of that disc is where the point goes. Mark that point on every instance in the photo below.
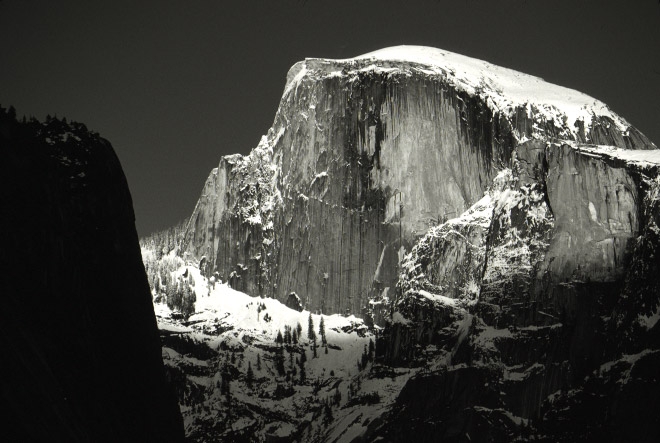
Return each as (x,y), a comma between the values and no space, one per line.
(362,159)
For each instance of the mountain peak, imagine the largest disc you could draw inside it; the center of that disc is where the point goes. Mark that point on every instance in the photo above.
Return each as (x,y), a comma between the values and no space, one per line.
(504,90)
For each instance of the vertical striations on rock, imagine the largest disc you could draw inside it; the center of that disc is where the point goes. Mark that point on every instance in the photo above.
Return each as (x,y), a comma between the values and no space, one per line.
(502,229)
(565,309)
(81,350)
(364,156)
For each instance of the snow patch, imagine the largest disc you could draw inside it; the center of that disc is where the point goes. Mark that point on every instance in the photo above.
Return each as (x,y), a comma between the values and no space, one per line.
(441,299)
(646,158)
(630,360)
(650,321)
(503,90)
(398,318)
(592,211)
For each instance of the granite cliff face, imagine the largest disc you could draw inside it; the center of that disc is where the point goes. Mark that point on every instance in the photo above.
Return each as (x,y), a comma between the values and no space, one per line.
(81,350)
(505,232)
(546,295)
(366,154)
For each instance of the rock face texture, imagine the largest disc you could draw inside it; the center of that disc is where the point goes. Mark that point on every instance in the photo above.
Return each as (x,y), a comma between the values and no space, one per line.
(366,154)
(504,230)
(548,289)
(81,350)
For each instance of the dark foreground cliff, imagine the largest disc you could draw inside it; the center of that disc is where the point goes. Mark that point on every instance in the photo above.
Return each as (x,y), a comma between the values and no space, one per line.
(81,357)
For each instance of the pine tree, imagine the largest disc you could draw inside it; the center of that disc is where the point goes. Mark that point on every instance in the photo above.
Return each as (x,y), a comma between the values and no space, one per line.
(310,328)
(279,339)
(170,292)
(188,301)
(279,361)
(258,362)
(299,329)
(287,334)
(372,350)
(249,378)
(365,358)
(337,396)
(322,331)
(294,337)
(226,383)
(303,359)
(327,414)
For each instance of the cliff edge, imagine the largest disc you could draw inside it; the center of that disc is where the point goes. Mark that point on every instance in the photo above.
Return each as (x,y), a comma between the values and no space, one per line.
(81,350)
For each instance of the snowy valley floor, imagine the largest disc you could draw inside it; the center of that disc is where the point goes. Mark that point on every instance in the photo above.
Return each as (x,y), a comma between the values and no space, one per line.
(224,363)
(245,371)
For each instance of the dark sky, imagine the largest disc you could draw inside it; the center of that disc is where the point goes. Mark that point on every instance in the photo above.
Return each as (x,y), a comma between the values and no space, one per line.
(174,85)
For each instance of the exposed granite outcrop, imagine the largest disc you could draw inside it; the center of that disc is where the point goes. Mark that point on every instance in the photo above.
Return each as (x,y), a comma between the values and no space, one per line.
(566,309)
(364,156)
(503,229)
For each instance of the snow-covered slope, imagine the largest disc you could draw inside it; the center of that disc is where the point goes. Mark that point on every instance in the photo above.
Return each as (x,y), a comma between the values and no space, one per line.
(231,335)
(503,90)
(218,307)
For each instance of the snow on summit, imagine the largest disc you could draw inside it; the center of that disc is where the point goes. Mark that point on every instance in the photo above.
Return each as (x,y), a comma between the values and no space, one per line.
(506,87)
(503,89)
